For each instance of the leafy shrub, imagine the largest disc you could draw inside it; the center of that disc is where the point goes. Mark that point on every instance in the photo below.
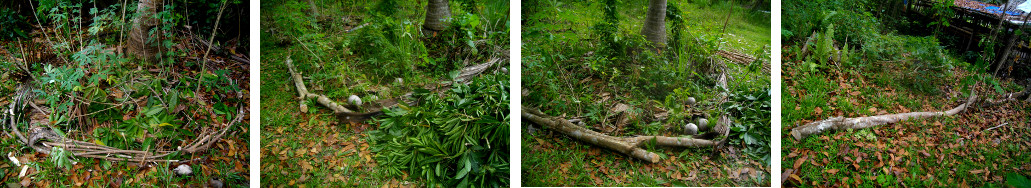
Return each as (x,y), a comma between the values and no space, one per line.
(294,22)
(13,24)
(458,139)
(676,19)
(608,30)
(390,46)
(854,20)
(752,127)
(386,8)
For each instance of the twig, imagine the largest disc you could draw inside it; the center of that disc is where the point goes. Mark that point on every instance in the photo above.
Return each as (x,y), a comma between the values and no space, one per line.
(1003,124)
(204,61)
(309,50)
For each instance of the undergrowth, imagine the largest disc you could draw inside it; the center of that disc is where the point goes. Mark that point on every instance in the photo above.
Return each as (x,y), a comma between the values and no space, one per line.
(586,57)
(376,50)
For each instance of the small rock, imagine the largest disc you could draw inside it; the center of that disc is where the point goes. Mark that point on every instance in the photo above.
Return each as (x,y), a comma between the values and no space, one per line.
(690,101)
(215,182)
(691,129)
(504,70)
(355,100)
(703,124)
(183,170)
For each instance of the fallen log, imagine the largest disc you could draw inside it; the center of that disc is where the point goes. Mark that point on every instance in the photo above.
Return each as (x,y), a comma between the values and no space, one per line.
(841,123)
(626,145)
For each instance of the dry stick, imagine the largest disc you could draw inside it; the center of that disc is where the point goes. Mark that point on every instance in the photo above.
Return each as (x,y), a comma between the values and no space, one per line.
(840,123)
(309,50)
(121,30)
(725,23)
(1009,45)
(92,150)
(204,60)
(1003,124)
(626,145)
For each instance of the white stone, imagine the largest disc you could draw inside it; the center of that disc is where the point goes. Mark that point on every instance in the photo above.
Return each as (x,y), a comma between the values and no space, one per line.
(183,170)
(703,124)
(355,100)
(691,129)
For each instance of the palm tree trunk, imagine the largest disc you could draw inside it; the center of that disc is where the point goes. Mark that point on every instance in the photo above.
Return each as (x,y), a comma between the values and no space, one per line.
(655,24)
(141,42)
(314,9)
(437,14)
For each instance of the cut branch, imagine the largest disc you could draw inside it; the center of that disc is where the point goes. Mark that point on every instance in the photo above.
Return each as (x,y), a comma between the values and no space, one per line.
(343,113)
(302,91)
(840,123)
(626,145)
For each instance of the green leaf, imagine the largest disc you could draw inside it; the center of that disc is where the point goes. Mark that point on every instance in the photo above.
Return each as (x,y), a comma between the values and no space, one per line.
(1017,180)
(465,170)
(154,111)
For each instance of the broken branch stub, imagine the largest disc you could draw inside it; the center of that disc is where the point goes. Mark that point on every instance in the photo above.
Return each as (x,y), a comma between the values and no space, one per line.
(841,123)
(302,91)
(626,145)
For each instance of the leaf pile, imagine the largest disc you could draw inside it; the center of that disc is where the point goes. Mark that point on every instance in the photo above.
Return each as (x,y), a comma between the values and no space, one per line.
(458,139)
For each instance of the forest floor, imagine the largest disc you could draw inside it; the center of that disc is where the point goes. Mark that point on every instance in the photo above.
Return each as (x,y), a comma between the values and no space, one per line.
(932,152)
(565,76)
(350,50)
(117,97)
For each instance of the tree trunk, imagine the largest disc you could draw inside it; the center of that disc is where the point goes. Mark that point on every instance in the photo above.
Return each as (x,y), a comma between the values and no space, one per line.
(655,23)
(314,9)
(141,42)
(437,16)
(1002,59)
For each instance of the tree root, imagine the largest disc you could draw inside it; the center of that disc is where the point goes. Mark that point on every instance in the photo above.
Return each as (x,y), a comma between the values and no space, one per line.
(840,123)
(627,145)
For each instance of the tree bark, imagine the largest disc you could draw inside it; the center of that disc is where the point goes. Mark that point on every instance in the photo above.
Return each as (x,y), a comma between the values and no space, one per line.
(840,123)
(141,42)
(437,16)
(655,23)
(314,9)
(1002,59)
(626,145)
